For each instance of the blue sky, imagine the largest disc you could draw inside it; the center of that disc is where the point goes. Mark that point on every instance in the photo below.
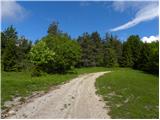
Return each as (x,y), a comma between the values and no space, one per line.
(32,19)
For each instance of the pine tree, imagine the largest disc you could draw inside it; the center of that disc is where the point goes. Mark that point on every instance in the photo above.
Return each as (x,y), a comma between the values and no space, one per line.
(97,49)
(126,56)
(110,58)
(135,46)
(23,47)
(112,46)
(149,59)
(131,51)
(3,43)
(53,28)
(144,58)
(9,52)
(87,58)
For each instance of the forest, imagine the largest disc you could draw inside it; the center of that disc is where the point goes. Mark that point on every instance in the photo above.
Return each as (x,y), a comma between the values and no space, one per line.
(57,52)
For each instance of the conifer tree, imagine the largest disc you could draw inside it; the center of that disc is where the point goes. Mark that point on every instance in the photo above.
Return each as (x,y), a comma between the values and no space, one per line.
(9,53)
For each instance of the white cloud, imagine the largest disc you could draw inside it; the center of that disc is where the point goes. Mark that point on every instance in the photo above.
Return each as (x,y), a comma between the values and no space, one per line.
(84,3)
(150,39)
(11,10)
(146,13)
(121,6)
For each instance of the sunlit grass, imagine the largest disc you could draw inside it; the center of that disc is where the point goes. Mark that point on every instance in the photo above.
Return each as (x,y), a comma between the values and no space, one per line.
(16,84)
(130,93)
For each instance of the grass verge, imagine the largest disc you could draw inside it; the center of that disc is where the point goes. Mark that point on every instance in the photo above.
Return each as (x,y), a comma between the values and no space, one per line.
(130,93)
(15,84)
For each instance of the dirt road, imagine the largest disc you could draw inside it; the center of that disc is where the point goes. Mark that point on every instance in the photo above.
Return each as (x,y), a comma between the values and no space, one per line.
(76,99)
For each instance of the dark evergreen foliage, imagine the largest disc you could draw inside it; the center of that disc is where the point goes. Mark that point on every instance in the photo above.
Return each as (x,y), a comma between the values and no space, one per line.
(53,28)
(87,50)
(14,50)
(113,45)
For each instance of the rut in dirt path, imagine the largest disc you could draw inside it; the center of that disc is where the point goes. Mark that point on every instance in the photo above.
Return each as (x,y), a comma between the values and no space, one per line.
(76,99)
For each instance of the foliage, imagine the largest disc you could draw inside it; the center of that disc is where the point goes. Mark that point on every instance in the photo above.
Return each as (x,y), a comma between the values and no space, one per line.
(149,59)
(110,58)
(23,47)
(55,53)
(127,60)
(112,51)
(53,28)
(67,53)
(142,56)
(9,37)
(14,50)
(36,71)
(131,51)
(135,46)
(97,49)
(9,56)
(40,54)
(85,43)
(154,58)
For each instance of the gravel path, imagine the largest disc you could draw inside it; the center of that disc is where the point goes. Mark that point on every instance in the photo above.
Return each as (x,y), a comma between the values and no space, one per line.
(76,99)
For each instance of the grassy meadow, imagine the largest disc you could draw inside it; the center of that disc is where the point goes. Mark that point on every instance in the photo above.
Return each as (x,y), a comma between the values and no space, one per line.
(130,93)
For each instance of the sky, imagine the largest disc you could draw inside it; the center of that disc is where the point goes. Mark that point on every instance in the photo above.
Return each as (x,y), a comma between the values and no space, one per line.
(121,18)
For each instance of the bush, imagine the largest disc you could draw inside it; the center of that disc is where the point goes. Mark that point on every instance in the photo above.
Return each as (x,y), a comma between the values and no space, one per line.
(40,54)
(55,53)
(36,72)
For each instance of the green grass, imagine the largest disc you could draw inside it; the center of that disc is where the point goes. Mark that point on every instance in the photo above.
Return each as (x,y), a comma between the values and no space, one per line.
(130,93)
(91,69)
(22,84)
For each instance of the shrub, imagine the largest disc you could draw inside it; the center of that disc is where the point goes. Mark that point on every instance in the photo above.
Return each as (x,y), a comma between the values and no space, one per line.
(55,53)
(36,72)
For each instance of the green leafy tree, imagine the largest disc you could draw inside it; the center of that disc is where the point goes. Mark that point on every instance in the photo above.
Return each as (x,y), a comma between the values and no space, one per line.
(67,52)
(40,54)
(55,53)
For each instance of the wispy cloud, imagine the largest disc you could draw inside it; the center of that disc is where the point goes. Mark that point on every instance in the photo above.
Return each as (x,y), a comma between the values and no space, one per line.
(121,6)
(150,39)
(84,3)
(145,13)
(11,10)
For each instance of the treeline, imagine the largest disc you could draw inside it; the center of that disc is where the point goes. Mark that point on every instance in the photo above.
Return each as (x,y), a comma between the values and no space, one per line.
(111,52)
(14,50)
(57,52)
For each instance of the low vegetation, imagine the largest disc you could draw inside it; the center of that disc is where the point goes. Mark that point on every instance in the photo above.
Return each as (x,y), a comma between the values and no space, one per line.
(130,93)
(15,84)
